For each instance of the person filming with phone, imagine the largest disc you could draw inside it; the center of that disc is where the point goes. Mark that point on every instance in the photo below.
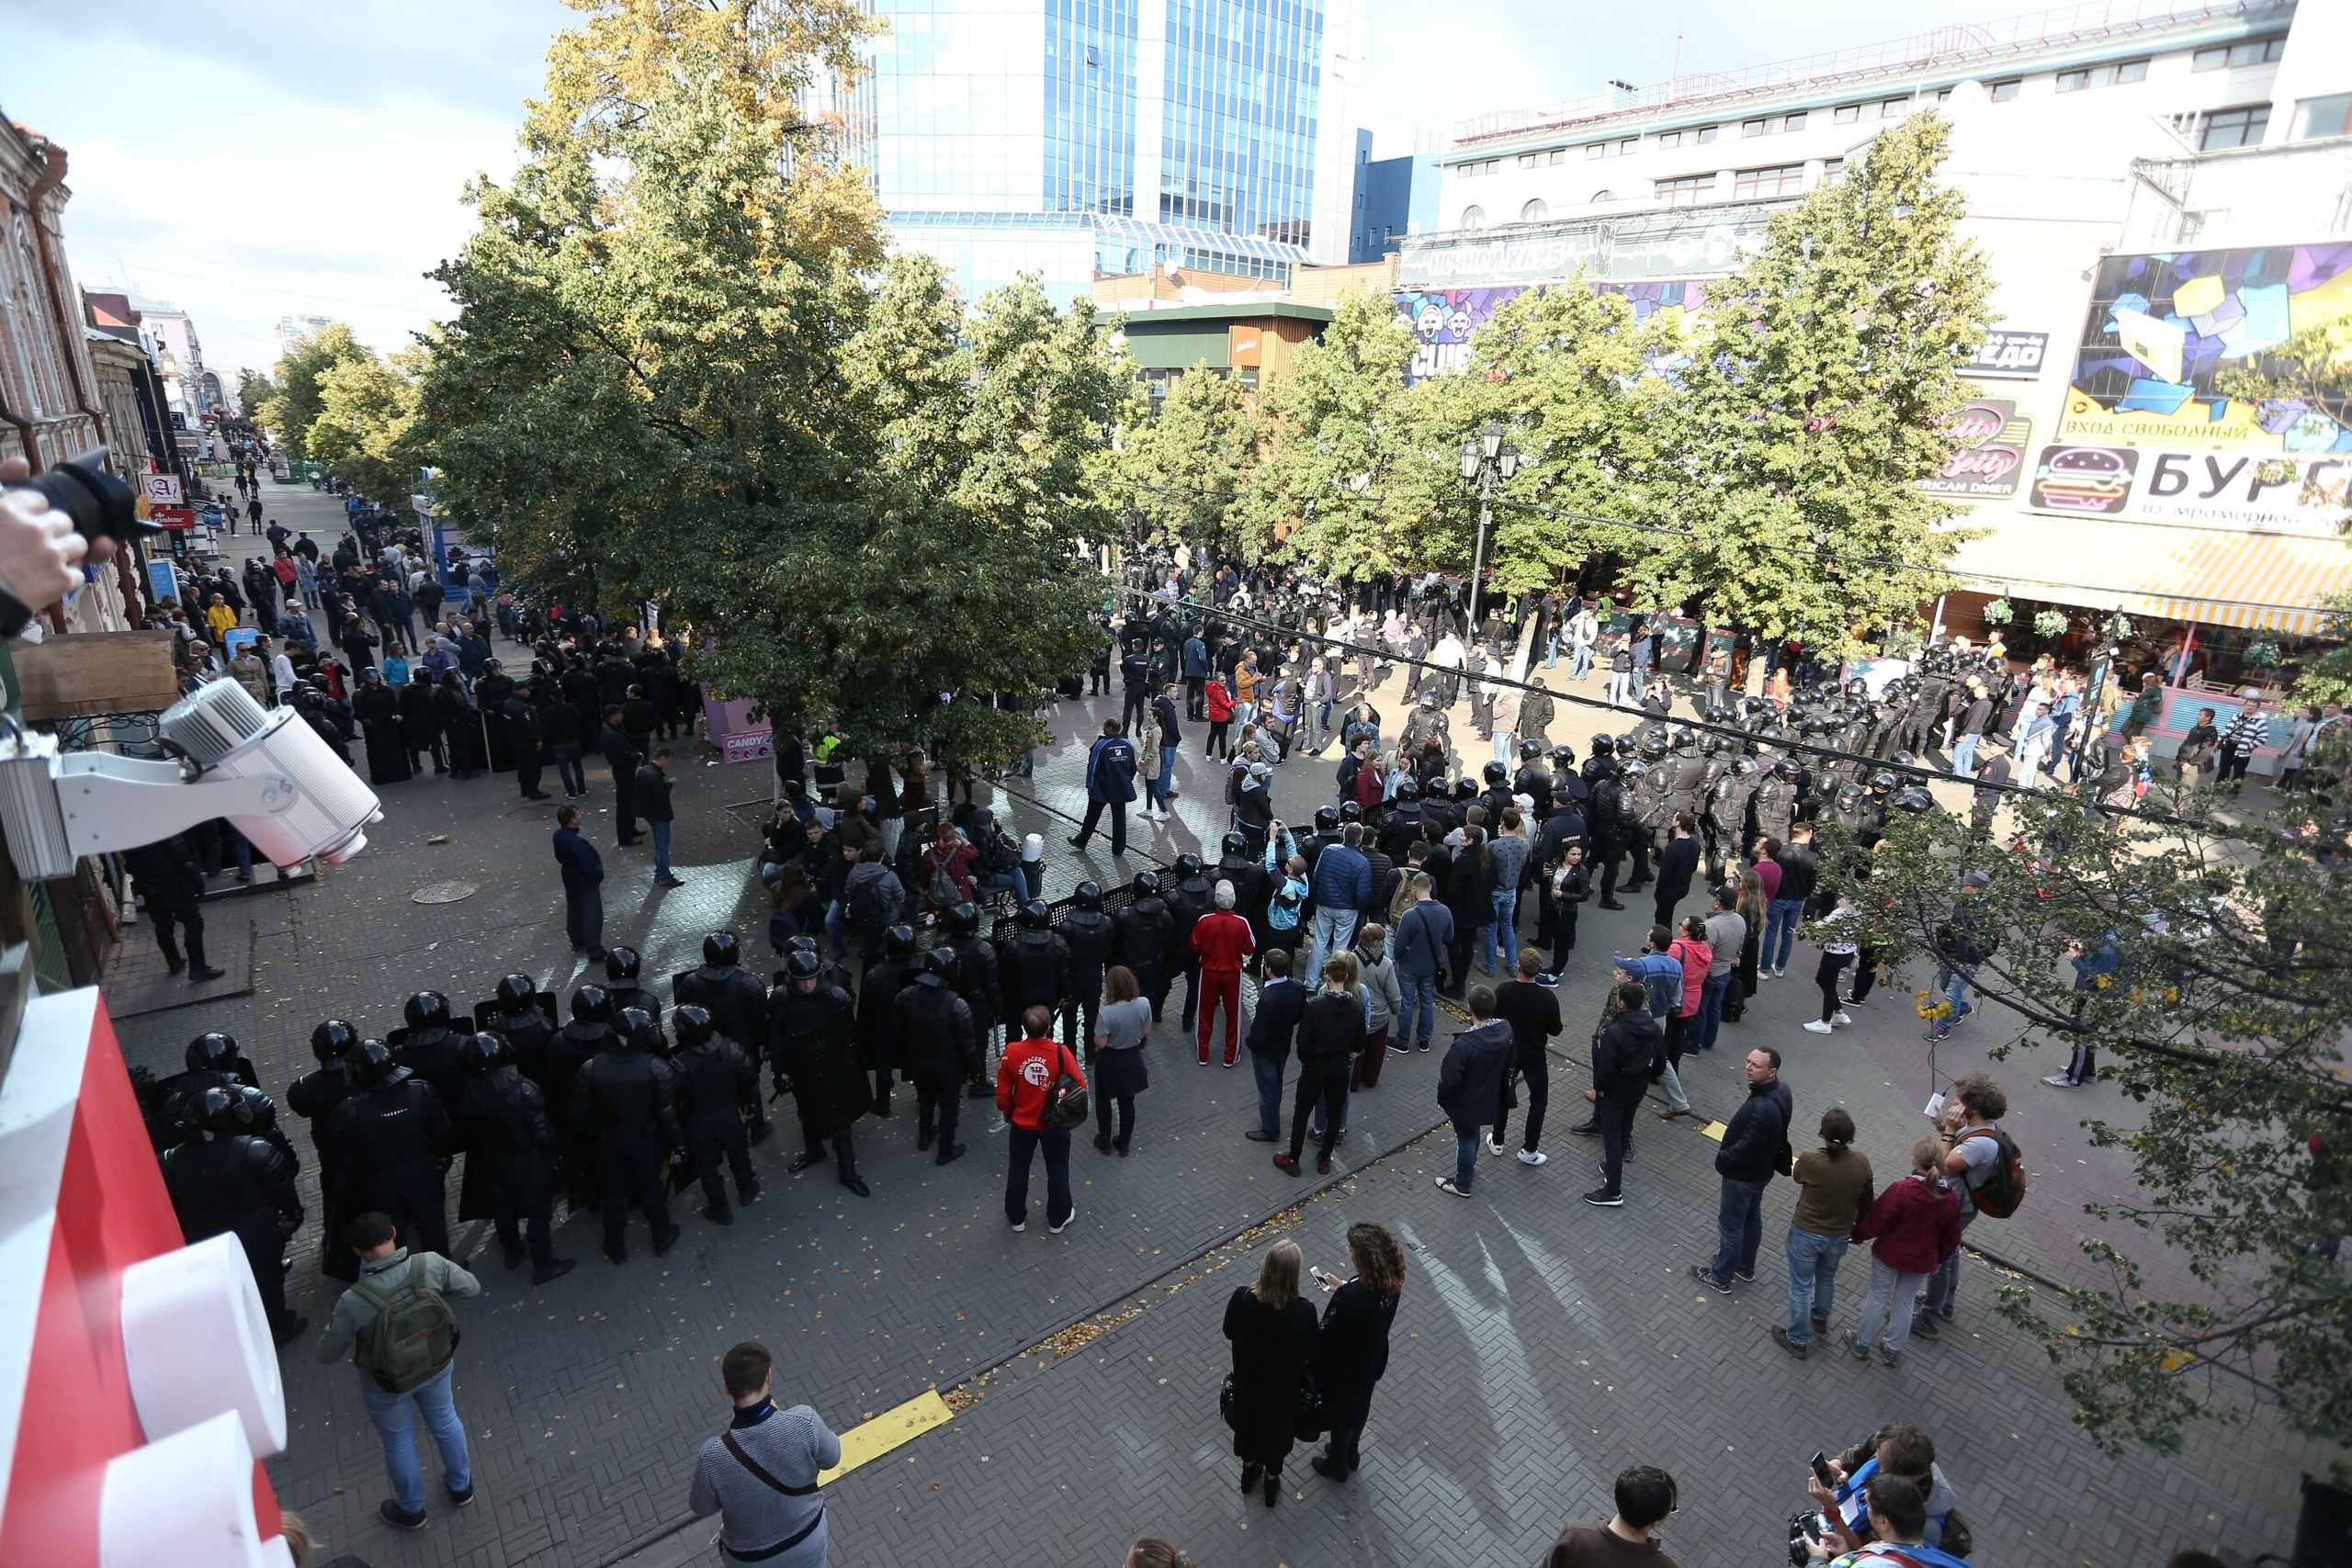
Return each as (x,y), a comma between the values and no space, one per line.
(1843,1487)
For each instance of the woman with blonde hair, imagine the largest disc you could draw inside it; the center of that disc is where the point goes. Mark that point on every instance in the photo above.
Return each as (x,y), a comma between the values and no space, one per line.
(1274,1343)
(1352,1350)
(1912,1226)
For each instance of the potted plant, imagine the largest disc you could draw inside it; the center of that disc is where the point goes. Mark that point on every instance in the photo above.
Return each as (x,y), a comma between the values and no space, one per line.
(1999,613)
(2050,623)
(2263,653)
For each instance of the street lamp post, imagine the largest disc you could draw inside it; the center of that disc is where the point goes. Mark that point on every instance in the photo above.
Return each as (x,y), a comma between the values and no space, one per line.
(1487,461)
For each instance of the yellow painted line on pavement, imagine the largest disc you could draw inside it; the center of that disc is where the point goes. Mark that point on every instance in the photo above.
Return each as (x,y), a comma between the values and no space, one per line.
(868,1441)
(1714,1130)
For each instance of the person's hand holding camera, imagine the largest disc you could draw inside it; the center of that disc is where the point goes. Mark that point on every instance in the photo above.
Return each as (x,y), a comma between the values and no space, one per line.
(40,554)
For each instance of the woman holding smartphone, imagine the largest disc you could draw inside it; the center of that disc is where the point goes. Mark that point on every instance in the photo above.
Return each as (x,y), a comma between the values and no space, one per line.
(1351,1353)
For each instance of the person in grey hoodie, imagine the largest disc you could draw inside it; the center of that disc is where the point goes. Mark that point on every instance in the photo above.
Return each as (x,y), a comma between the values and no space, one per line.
(1383,1004)
(1470,1083)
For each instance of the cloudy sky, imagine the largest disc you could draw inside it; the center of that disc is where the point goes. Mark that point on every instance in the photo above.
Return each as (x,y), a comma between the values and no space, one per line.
(250,159)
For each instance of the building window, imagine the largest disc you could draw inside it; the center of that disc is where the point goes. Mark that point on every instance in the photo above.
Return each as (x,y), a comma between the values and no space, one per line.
(1527,160)
(1846,114)
(2129,71)
(1534,211)
(1794,121)
(1707,132)
(2103,75)
(2073,81)
(2002,92)
(2251,51)
(1630,145)
(1473,218)
(1782,179)
(1559,155)
(1669,139)
(1595,149)
(1893,109)
(1688,191)
(2331,116)
(1753,127)
(2224,128)
(1832,170)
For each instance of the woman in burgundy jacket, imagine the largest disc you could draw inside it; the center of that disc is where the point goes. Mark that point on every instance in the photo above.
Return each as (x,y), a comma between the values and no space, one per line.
(1913,1226)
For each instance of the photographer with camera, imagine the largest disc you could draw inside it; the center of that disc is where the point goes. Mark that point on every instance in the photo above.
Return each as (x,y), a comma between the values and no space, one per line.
(48,527)
(1845,1489)
(1902,1514)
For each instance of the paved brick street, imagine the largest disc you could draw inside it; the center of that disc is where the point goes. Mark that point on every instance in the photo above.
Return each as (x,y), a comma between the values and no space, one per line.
(1542,1345)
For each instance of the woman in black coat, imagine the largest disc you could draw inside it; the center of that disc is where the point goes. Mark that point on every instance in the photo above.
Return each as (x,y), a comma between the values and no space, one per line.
(1470,894)
(1352,1351)
(420,731)
(1274,1343)
(378,709)
(460,726)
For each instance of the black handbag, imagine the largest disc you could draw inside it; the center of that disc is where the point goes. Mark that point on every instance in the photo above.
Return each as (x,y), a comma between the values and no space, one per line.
(1065,1101)
(1310,1412)
(1225,1402)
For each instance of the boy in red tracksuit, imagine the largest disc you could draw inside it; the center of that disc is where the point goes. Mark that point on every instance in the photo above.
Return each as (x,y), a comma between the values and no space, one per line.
(1224,942)
(1022,1076)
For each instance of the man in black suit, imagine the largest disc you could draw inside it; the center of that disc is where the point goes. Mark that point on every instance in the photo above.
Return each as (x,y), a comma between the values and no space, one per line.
(1282,1002)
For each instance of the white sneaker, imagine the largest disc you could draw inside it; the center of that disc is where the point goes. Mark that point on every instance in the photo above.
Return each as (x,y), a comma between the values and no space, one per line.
(1021,1224)
(1493,1148)
(1815,1026)
(1841,1018)
(1445,1184)
(1534,1156)
(1056,1230)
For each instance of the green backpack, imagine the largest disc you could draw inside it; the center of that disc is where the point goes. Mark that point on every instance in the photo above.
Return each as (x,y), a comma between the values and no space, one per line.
(412,1335)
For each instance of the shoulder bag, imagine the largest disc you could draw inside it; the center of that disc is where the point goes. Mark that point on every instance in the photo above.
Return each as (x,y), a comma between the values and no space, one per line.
(760,1471)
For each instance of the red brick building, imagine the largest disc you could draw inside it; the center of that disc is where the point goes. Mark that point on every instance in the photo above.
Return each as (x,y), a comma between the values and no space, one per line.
(49,392)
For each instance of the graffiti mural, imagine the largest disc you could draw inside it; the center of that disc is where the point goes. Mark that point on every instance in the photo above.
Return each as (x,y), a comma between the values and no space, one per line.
(2162,330)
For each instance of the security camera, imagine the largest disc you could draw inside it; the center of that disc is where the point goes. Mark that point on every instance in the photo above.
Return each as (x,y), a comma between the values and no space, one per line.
(267,772)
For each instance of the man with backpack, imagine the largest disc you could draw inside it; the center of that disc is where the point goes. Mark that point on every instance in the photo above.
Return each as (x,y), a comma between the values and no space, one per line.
(396,1324)
(1983,1162)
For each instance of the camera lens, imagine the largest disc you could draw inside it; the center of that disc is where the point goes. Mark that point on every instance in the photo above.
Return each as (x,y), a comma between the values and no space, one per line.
(100,505)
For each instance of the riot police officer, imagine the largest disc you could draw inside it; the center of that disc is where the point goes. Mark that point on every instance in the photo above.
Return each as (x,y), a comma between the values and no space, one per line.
(719,1096)
(574,1046)
(980,980)
(621,967)
(313,1097)
(1089,935)
(812,1043)
(516,1017)
(1035,965)
(626,1099)
(1142,939)
(737,1002)
(1400,829)
(1612,823)
(214,1061)
(940,1046)
(511,1152)
(392,1138)
(877,996)
(1192,896)
(1774,799)
(428,1046)
(225,1178)
(1728,817)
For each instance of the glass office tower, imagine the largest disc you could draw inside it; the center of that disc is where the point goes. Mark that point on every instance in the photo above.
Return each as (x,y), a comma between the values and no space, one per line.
(1073,136)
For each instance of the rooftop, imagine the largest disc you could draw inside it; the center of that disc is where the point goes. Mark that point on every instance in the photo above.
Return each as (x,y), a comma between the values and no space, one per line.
(1961,44)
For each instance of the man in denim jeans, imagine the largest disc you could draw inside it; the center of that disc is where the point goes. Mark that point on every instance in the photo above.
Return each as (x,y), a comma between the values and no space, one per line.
(1959,951)
(1799,872)
(1282,1002)
(1834,1192)
(1727,934)
(1419,945)
(1747,1162)
(1470,1085)
(385,1269)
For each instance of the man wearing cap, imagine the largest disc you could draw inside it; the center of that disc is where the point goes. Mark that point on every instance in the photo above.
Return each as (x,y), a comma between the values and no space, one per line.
(1224,942)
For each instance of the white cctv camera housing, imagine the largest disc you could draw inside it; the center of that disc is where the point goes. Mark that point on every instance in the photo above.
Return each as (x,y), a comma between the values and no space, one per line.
(267,772)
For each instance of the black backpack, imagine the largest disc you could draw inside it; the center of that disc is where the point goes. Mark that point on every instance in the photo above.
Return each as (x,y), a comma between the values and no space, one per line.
(869,911)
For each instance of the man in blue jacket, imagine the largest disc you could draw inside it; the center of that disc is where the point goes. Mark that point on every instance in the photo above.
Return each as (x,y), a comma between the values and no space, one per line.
(1343,884)
(1419,945)
(1282,1002)
(1750,1158)
(583,874)
(1110,781)
(1196,676)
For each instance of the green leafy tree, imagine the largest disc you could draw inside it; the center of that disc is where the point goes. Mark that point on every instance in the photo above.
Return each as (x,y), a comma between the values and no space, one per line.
(294,406)
(1818,379)
(367,424)
(1340,480)
(253,389)
(1181,471)
(2224,1023)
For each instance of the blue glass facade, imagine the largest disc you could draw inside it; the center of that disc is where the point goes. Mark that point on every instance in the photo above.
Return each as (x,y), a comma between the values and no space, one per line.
(1072,137)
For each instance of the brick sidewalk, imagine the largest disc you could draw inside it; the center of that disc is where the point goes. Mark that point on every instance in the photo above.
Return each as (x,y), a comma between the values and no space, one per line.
(588,1400)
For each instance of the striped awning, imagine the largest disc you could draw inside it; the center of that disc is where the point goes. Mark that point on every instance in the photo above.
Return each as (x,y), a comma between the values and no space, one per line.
(2214,577)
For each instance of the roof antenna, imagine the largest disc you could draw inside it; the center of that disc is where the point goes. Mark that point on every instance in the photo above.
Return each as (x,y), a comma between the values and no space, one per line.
(1677,72)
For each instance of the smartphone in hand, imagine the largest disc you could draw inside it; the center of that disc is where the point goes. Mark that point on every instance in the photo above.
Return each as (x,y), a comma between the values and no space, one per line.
(1820,1471)
(1327,1280)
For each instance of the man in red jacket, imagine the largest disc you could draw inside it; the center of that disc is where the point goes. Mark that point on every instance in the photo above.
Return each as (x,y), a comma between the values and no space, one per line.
(1024,1075)
(1223,939)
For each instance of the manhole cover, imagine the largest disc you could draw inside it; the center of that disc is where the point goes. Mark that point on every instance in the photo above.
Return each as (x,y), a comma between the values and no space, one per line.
(444,892)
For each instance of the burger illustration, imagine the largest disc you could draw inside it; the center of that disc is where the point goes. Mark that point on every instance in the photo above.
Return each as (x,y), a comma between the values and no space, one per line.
(2082,479)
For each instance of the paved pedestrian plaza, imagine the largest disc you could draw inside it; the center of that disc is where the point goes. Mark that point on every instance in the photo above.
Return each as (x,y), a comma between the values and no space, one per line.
(1541,1345)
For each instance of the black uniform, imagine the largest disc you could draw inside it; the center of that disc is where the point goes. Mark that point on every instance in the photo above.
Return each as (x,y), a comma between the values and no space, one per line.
(172,883)
(1187,902)
(878,1024)
(1089,935)
(430,1054)
(393,1140)
(940,1048)
(737,1002)
(624,1101)
(719,1087)
(512,1155)
(314,1097)
(1036,972)
(813,1044)
(244,1185)
(530,1035)
(1143,934)
(980,982)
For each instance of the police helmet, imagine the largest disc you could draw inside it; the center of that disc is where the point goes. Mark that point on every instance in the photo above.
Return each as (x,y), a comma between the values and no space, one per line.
(1036,917)
(1685,739)
(1147,885)
(1495,772)
(1653,742)
(963,919)
(899,941)
(1904,760)
(1088,895)
(1913,798)
(1530,749)
(693,1024)
(620,963)
(941,960)
(332,1040)
(1326,819)
(480,1053)
(1562,758)
(801,942)
(802,966)
(1849,795)
(1236,843)
(1188,865)
(514,992)
(1745,767)
(1633,768)
(1603,746)
(428,1010)
(1428,697)
(213,1051)
(370,1062)
(592,1004)
(219,1112)
(1408,790)
(1787,767)
(637,1027)
(1350,812)
(1882,781)
(721,950)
